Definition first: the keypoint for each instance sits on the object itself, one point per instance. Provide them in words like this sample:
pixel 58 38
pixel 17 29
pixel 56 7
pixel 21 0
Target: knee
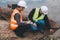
pixel 41 22
pixel 33 28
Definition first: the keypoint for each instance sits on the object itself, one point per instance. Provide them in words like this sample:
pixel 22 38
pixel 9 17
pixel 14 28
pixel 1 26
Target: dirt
pixel 7 34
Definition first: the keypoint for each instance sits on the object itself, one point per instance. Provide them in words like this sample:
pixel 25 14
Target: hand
pixel 51 30
pixel 34 24
pixel 28 22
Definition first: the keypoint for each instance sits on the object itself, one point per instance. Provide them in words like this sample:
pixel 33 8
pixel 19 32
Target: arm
pixel 17 18
pixel 31 15
pixel 47 22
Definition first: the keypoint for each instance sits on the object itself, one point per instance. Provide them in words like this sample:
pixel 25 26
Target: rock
pixel 5 12
pixel 6 33
pixel 54 24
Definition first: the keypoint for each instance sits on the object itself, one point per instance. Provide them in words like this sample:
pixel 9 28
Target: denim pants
pixel 40 25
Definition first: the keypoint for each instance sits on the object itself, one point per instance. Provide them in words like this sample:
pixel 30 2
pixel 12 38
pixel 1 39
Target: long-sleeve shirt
pixel 22 27
pixel 30 16
pixel 17 18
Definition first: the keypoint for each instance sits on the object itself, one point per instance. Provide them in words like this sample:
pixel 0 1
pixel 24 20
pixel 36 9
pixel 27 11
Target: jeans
pixel 40 25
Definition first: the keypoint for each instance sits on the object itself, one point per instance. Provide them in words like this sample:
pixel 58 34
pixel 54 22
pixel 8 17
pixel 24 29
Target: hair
pixel 14 6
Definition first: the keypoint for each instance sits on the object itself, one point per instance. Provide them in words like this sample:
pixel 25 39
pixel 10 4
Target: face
pixel 21 8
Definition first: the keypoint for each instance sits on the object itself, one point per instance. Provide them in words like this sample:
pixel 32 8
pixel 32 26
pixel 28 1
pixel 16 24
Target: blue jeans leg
pixel 33 27
pixel 40 24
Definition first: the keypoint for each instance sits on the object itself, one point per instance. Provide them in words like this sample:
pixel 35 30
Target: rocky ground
pixel 7 34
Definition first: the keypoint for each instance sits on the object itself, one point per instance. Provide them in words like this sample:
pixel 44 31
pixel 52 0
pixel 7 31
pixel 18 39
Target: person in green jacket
pixel 39 18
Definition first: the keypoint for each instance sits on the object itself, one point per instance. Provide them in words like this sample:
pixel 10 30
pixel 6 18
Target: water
pixel 53 5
